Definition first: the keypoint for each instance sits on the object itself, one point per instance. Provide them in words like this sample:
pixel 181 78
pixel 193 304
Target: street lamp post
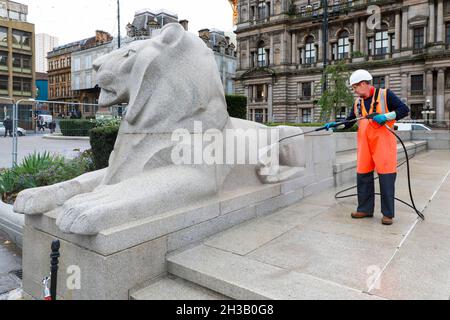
pixel 118 23
pixel 428 110
pixel 15 126
pixel 325 42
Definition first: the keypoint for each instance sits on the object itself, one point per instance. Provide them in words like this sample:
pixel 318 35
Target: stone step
pixel 243 278
pixel 173 288
pixel 344 169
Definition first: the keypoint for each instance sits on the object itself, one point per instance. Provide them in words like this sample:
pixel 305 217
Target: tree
pixel 338 93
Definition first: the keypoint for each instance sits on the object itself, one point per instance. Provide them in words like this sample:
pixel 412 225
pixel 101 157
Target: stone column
pixel 254 92
pixel 294 48
pixel 431 23
pixel 283 48
pixel 405 86
pixel 249 56
pixel 238 50
pixel 272 9
pixel 302 56
pixel 247 94
pixel 398 28
pixel 271 50
pixel 440 102
pixel 270 103
pixel 357 37
pixel 363 39
pixel 429 87
pixel 320 45
pixel 440 22
pixel 405 28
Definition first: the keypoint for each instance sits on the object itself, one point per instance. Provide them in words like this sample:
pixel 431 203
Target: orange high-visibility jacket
pixel 377 147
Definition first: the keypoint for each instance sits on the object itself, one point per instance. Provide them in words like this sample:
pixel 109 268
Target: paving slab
pixel 172 288
pixel 246 279
pixel 249 236
pixel 421 269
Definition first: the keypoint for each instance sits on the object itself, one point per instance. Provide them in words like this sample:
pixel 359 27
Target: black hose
pixel 412 205
pixel 338 195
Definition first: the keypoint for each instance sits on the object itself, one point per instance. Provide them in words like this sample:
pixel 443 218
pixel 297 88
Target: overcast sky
pixel 75 20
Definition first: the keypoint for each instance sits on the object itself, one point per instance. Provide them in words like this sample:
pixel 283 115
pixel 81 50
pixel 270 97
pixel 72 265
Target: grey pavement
pixel 31 143
pixel 10 260
pixel 316 251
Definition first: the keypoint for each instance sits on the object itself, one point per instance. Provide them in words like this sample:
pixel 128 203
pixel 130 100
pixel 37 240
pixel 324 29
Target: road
pixel 36 143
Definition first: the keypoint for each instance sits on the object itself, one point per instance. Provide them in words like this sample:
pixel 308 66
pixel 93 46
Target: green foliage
pixel 108 122
pixel 237 106
pixel 38 170
pixel 102 141
pixel 358 54
pixel 338 93
pixel 76 127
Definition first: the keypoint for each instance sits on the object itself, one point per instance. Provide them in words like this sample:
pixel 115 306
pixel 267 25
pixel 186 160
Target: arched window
pixel 382 41
pixel 310 50
pixel 343 45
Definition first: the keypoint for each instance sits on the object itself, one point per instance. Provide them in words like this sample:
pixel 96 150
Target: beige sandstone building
pixel 280 49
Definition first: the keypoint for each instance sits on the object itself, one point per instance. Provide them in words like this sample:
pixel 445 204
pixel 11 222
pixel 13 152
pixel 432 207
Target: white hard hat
pixel 360 75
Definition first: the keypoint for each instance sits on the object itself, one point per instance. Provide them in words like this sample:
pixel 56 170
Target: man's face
pixel 362 89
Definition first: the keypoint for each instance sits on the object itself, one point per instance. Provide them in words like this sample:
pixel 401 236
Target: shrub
pixel 102 141
pixel 237 106
pixel 76 128
pixel 38 170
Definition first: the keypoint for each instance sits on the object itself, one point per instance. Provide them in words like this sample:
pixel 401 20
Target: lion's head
pixel 168 82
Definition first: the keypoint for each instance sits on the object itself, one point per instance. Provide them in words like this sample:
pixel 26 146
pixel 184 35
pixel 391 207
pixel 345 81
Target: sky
pixel 70 20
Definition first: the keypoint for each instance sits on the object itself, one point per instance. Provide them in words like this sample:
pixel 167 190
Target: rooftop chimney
pixel 185 24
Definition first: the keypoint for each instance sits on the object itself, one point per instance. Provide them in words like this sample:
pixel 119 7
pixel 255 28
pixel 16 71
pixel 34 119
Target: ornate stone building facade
pixel 224 53
pixel 280 46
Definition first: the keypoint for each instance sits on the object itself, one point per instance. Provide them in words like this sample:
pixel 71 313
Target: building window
pixel 261 57
pixel 306 115
pixel 260 93
pixel 21 39
pixel 260 115
pixel 343 45
pixel 4 37
pixel 306 92
pixel 22 87
pixel 3 61
pixel 4 85
pixel 448 31
pixel 76 64
pixel 416 111
pixel 21 63
pixel 417 85
pixel 261 10
pixel 379 82
pixel 310 51
pixel 381 42
pixel 393 42
pixel 419 39
pixel 370 46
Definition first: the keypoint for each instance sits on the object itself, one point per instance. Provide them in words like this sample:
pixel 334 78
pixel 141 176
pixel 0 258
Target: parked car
pixel 20 132
pixel 412 127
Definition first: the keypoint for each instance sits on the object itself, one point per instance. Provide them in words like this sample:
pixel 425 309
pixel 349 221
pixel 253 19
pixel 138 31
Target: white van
pixel 411 127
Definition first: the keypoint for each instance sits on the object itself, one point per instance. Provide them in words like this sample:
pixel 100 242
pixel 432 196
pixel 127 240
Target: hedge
pixel 76 127
pixel 237 106
pixel 102 143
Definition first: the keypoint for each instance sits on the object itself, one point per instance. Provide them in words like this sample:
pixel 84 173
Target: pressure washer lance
pixel 370 117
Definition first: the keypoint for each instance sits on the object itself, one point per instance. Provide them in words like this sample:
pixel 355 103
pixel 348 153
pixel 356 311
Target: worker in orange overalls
pixel 377 147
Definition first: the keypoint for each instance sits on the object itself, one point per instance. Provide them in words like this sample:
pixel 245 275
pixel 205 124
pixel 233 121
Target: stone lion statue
pixel 169 82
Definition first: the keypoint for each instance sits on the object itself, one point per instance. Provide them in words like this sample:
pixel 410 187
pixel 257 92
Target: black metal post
pixel 54 268
pixel 118 23
pixel 325 43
